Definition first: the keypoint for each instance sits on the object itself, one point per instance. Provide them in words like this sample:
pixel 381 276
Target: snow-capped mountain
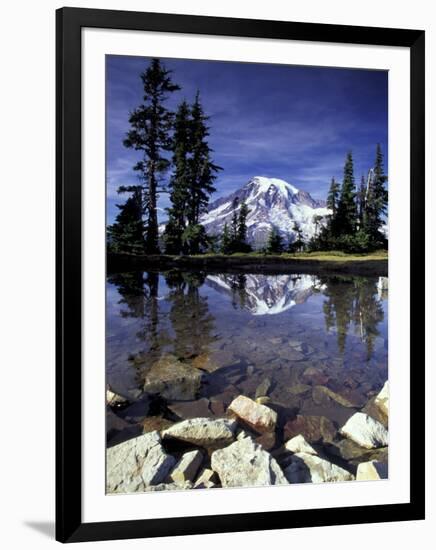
pixel 264 294
pixel 272 203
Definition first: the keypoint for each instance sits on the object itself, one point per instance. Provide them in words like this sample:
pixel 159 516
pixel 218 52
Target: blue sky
pixel 289 122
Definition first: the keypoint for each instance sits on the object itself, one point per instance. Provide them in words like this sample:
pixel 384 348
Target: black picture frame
pixel 69 23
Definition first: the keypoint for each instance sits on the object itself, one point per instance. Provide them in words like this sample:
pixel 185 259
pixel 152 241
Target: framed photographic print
pixel 240 257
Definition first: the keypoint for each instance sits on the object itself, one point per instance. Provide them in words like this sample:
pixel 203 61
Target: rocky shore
pixel 250 442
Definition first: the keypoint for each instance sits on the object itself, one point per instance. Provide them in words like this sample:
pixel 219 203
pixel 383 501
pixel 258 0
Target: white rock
pixel 187 467
pixel 246 464
pixel 299 445
pixel 382 399
pixel 113 398
pixel 170 487
pixel 206 479
pixel 258 417
pixel 365 431
pixel 135 464
pixel 371 470
pixel 306 468
pixel 205 432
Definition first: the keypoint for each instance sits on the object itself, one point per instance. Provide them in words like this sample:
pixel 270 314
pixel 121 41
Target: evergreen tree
pixel 345 220
pixel 126 234
pixel 333 196
pixel 179 182
pixel 242 224
pixel 377 201
pixel 361 203
pixel 275 242
pixel 298 241
pixel 151 123
pixel 226 240
pixel 202 170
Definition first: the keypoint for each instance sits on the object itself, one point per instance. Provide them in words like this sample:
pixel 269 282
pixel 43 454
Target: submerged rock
pixel 365 431
pixel 313 428
pixel 191 409
pixel 204 432
pixel 263 388
pixel 173 379
pixel 299 389
pixel 372 470
pixel 258 417
pixel 306 468
pixel 136 464
pixel 187 467
pixel 322 394
pixel 245 464
pixel 299 445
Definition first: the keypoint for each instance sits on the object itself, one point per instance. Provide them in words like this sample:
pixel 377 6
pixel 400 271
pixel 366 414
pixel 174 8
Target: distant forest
pixel 175 158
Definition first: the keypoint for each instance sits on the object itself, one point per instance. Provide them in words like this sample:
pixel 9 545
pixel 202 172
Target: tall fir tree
pixel 378 200
pixel 346 216
pixel 179 182
pixel 241 233
pixel 226 240
pixel 202 170
pixel 151 123
pixel 333 196
pixel 275 242
pixel 126 234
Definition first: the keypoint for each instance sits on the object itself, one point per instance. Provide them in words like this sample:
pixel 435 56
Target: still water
pixel 251 334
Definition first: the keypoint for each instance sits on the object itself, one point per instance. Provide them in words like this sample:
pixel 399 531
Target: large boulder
pixel 258 417
pixel 246 464
pixel 314 429
pixel 173 379
pixel 382 399
pixel 365 431
pixel 134 465
pixel 204 432
pixel 372 470
pixel 309 468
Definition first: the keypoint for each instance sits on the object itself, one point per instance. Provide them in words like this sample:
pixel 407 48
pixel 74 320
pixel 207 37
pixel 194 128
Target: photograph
pixel 247 231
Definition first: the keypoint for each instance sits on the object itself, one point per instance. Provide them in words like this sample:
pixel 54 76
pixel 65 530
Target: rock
pixel 299 445
pixel 354 453
pixel 306 468
pixel 205 362
pixel 173 379
pixel 263 388
pixel 206 479
pixel 263 400
pixel 382 400
pixel 267 440
pixel 299 389
pixel 191 409
pixel 315 376
pixel 114 423
pixel 217 407
pixel 137 411
pixel 258 417
pixel 313 428
pixel 321 393
pixel 372 410
pixel 135 464
pixel 365 431
pixel 170 486
pixel 371 470
pixel 250 370
pixel 204 432
pixel 245 464
pixel 290 354
pixel 113 399
pixel 155 423
pixel 187 467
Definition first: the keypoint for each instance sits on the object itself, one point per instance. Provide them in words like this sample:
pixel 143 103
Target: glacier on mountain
pixel 272 203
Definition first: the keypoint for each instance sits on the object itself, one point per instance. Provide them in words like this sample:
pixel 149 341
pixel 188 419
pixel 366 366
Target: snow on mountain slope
pixel 272 203
pixel 264 294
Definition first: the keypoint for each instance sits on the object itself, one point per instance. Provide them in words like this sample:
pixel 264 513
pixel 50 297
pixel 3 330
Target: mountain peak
pixel 265 184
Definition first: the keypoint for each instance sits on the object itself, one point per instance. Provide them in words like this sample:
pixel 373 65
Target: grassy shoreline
pixel 374 264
